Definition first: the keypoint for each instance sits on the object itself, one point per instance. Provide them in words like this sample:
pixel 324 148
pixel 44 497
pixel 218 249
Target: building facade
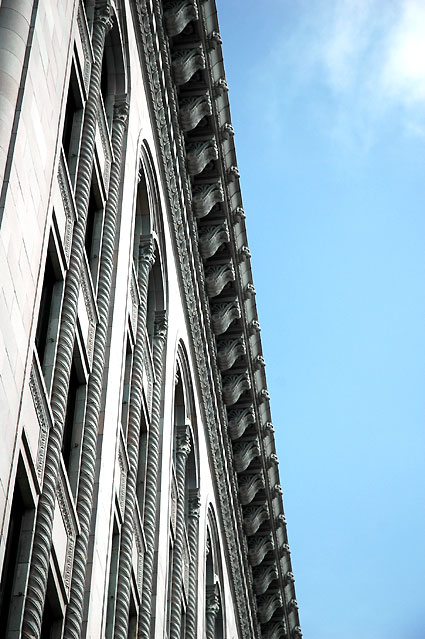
pixel 139 485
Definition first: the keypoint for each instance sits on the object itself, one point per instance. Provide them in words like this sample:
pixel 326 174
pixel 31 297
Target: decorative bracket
pixel 186 62
pixel 239 420
pixel 228 352
pixel 204 196
pixel 234 386
pixel 178 14
pixel 222 315
pixel 211 238
pixel 193 109
pixel 217 276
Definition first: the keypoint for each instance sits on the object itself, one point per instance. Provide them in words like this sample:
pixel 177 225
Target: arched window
pixel 214 604
pixel 183 544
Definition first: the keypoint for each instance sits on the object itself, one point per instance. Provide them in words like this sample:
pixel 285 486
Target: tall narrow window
pixel 72 125
pixel 49 311
pixel 74 420
pixel 94 224
pixel 125 397
pixel 113 580
pixel 52 620
pixel 11 555
pixel 17 554
pixel 132 621
pixel 45 308
pixel 141 471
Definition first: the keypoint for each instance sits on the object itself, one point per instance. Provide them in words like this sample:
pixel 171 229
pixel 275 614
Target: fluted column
pixel 212 608
pixel 74 612
pixel 193 536
pixel 152 471
pixel 146 261
pixel 182 452
pixel 39 567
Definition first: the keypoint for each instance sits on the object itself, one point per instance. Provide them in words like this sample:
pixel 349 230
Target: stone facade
pixel 139 485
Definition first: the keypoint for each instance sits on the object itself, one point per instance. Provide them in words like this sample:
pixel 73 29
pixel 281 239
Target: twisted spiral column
pixel 211 610
pixel 193 535
pixel 152 471
pixel 74 612
pixel 177 572
pixel 39 566
pixel 146 261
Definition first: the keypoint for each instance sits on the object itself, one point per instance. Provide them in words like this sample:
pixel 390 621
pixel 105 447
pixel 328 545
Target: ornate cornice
pixel 183 242
pixel 217 197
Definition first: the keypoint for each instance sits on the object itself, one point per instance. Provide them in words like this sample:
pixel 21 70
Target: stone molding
pixel 182 242
pixel 44 416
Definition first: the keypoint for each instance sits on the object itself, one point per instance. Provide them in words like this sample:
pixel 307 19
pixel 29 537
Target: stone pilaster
pixel 212 607
pixel 146 261
pixel 150 512
pixel 182 452
pixel 39 566
pixel 193 536
pixel 74 612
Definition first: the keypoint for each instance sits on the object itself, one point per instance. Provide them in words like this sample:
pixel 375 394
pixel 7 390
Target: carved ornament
pixel 217 276
pixel 258 547
pixel 254 516
pixel 234 386
pixel 239 420
pixel 211 238
pixel 186 62
pixel 228 352
pixel 227 131
pixel 267 604
pixel 193 109
pixel 204 196
pixel 199 154
pixel 178 14
pixel 244 453
pixel 263 577
pixel 274 630
pixel 249 486
pixel 222 315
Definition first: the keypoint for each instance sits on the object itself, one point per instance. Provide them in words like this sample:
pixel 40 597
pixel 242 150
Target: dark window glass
pixel 11 556
pixel 45 308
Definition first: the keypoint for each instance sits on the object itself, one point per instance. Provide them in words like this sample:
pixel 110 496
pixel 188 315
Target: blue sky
pixel 328 105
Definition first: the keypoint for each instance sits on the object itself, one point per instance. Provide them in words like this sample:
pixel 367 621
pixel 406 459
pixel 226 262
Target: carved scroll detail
pixel 254 516
pixel 204 196
pixel 193 109
pixel 199 154
pixel 178 15
pixel 274 630
pixel 239 420
pixel 267 605
pixel 263 577
pixel 216 278
pixel 258 547
pixel 228 352
pixel 211 238
pixel 244 453
pixel 249 486
pixel 234 386
pixel 186 62
pixel 222 315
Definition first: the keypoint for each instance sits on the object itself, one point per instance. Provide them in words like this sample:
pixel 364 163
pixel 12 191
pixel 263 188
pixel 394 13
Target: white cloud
pixel 403 74
pixel 369 55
